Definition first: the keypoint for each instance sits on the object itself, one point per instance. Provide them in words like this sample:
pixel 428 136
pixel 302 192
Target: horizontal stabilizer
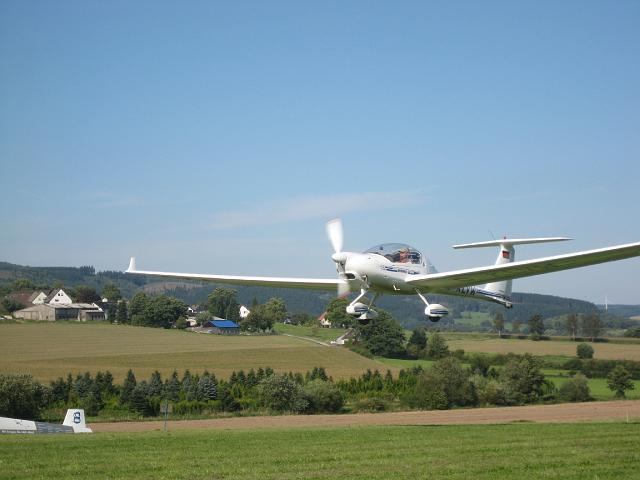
pixel 506 242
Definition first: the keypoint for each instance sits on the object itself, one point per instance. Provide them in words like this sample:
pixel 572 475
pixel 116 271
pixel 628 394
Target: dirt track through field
pixel 565 412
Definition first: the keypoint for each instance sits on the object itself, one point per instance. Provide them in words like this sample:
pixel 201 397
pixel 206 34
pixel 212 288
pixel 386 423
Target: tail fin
pixel 501 291
pixel 75 419
pixel 506 255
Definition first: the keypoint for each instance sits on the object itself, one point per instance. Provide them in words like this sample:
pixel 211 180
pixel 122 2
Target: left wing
pixel 526 268
pixel 282 282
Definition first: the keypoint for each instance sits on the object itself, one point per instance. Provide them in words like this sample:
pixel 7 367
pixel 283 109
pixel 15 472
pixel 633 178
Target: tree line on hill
pixel 407 310
pixel 167 311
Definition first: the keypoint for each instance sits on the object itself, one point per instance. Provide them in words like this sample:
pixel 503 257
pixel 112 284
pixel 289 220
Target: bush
pixel 371 404
pixel 619 380
pixel 322 396
pixel 584 351
pixel 281 394
pixel 575 389
pixel 489 391
pixel 444 385
pixel 436 347
pixel 522 379
pixel 633 332
pixel 21 397
pixel 193 407
pixel 593 368
pixel 383 336
pixel 480 364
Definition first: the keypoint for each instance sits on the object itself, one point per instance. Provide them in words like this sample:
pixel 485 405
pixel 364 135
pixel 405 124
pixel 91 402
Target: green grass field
pixel 598 387
pixel 317 333
pixel 48 350
pixel 614 351
pixel 491 452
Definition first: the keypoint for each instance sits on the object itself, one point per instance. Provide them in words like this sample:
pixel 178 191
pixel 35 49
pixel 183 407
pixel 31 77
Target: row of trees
pixel 446 384
pixel 589 324
pixel 151 311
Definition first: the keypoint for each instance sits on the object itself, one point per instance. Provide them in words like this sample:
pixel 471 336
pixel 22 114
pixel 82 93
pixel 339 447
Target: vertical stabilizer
pixel 506 255
pixel 500 292
pixel 75 419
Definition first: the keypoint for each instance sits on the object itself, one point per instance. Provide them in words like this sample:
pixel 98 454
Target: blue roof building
pixel 222 327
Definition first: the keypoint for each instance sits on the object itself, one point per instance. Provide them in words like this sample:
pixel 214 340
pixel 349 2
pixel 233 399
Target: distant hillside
pixel 70 277
pixel 408 310
pixel 626 311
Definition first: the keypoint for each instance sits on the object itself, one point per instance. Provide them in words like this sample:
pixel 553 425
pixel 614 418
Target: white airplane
pixel 399 269
pixel 73 423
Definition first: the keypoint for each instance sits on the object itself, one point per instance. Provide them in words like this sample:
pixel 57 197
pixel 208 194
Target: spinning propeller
pixel 335 234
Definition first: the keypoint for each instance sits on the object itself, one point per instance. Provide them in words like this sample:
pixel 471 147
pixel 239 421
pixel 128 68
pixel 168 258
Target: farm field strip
pixel 48 351
pixel 483 452
pixel 564 412
pixel 612 351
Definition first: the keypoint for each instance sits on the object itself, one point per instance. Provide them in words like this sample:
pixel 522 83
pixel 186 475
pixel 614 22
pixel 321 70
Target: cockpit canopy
pixel 397 253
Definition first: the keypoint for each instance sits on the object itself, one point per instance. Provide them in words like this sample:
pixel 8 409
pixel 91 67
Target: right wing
pixel 276 282
pixel 525 268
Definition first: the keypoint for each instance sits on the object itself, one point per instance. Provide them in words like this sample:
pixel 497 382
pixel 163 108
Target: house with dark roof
pixel 221 327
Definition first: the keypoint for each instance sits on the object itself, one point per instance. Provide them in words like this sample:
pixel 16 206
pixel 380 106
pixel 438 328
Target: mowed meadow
pixel 49 350
pixel 482 452
pixel 625 350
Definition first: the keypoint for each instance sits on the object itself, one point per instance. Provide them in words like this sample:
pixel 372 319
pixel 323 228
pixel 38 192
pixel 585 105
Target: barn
pixel 222 327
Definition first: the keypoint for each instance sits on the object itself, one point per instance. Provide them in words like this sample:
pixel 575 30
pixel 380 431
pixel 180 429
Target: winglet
pixel 132 265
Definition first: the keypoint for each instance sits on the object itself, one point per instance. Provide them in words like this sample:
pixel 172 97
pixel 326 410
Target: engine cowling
pixel 435 312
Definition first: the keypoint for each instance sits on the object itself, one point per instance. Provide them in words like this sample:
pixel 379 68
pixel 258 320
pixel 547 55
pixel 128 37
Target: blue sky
pixel 220 136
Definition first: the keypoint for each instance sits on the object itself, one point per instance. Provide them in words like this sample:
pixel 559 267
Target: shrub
pixel 584 351
pixel 322 396
pixel 619 380
pixel 443 385
pixel 575 389
pixel 480 364
pixel 489 391
pixel 436 347
pixel 522 379
pixel 191 407
pixel 281 394
pixel 371 404
pixel 21 396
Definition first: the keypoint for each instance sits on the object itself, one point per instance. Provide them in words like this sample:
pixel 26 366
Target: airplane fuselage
pixel 375 272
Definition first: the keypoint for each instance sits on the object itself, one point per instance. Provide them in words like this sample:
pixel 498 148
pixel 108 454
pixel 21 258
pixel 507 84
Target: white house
pixel 244 311
pixel 38 298
pixel 58 297
pixel 324 322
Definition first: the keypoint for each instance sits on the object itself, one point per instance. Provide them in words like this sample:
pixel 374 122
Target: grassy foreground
pixel 566 451
pixel 49 350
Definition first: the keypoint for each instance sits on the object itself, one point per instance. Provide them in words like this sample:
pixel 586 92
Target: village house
pixel 58 305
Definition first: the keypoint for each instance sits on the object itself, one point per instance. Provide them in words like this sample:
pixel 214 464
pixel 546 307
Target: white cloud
pixel 312 207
